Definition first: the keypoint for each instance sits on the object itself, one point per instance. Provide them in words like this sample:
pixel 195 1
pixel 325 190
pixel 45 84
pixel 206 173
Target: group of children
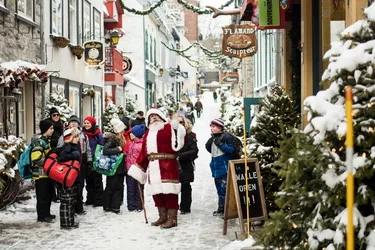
pixel 70 148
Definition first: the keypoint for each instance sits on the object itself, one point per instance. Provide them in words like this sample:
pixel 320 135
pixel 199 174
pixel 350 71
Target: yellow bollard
pixel 349 163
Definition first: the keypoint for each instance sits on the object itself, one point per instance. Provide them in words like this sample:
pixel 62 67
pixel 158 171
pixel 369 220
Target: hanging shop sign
pixel 239 40
pixel 229 78
pixel 93 53
pixel 185 74
pixel 269 13
pixel 126 65
pixel 265 14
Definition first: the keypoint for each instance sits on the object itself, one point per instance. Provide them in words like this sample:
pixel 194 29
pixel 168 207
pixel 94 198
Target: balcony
pixel 113 67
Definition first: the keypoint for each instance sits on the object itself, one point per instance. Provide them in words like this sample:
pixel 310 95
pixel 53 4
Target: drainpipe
pixel 278 57
pixel 43 54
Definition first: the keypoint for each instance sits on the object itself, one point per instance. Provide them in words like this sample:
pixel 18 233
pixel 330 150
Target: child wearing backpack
pixel 69 151
pixel 221 147
pixel 44 186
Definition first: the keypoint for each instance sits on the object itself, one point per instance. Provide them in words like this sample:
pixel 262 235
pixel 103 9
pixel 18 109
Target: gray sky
pixel 207 24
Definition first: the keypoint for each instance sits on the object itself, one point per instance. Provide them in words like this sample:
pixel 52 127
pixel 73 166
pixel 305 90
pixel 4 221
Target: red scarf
pixel 90 134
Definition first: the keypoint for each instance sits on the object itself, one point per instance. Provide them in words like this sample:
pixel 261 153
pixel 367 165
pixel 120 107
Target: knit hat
pixel 70 133
pixel 91 120
pixel 154 111
pixel 53 110
pixel 118 125
pixel 44 125
pixel 218 122
pixel 138 131
pixel 127 121
pixel 74 118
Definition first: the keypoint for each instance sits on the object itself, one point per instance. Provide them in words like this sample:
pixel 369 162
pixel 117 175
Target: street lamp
pixel 115 37
pixel 161 71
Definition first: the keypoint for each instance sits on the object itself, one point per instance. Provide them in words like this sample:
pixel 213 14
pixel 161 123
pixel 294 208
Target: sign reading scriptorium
pixel 239 40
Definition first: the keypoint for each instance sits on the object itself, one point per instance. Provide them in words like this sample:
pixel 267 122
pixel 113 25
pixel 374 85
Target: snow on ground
pixel 98 230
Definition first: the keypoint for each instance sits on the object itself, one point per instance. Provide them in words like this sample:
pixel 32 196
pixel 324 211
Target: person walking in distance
pixel 186 157
pixel 161 142
pixel 198 107
pixel 94 181
pixel 222 149
pixel 215 96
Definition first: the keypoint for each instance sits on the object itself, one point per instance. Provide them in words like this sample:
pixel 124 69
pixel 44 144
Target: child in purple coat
pixel 132 152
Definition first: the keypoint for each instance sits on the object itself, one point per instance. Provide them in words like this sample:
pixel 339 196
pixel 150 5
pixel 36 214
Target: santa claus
pixel 161 142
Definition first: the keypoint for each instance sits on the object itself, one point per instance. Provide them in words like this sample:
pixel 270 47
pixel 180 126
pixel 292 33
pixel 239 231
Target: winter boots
pixel 162 217
pixel 172 219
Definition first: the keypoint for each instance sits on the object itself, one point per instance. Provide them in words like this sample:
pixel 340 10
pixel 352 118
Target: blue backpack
pixel 25 164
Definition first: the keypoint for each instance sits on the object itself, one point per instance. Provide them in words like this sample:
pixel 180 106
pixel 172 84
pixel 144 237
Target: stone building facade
pixel 21 49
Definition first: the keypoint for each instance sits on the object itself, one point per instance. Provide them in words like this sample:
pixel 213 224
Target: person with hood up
pixel 161 142
pixel 94 181
pixel 114 145
pixel 132 192
pixel 128 128
pixel 190 115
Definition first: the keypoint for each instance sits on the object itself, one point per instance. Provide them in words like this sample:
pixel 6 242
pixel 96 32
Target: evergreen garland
pixel 181 2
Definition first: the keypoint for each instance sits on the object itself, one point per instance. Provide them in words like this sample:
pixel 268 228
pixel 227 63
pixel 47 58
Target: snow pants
pixel 170 201
pixel 221 187
pixel 185 197
pixel 114 192
pixel 132 194
pixel 67 205
pixel 44 188
pixel 94 187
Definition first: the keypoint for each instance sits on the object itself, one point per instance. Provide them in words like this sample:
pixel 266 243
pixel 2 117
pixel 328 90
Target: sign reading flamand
pixel 239 40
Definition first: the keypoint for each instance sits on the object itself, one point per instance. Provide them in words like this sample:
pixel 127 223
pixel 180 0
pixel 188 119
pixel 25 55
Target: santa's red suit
pixel 162 178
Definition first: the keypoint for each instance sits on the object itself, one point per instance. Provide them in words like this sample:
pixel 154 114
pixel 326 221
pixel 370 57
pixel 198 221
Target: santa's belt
pixel 161 156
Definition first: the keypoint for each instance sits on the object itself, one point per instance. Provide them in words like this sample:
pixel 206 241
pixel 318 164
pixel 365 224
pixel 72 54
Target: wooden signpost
pixel 235 200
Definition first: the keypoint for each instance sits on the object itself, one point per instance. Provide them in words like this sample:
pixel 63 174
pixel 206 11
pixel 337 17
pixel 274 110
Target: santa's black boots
pixel 162 217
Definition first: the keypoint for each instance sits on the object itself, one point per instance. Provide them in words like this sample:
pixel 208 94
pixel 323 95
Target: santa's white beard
pixel 155 126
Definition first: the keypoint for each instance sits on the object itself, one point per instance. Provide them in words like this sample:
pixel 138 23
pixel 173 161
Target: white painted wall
pixel 132 45
pixel 62 59
pixel 190 82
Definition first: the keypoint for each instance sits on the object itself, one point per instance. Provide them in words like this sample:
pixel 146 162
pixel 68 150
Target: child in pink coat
pixel 132 152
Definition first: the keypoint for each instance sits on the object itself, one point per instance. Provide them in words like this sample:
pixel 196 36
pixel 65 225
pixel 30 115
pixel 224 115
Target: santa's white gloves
pixel 137 173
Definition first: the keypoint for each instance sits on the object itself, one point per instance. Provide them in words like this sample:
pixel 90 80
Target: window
pixel 97 108
pixel 26 8
pixel 155 51
pixel 150 49
pixel 86 20
pixel 58 88
pixel 21 115
pixel 57 17
pixel 74 100
pixel 146 46
pixel 73 21
pixel 97 23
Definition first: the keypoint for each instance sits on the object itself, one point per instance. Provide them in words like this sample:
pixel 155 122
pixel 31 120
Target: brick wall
pixel 191 23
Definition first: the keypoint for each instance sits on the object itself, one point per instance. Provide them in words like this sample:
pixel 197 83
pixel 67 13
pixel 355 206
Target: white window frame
pixel 86 22
pixel 2 3
pixel 97 19
pixel 25 8
pixel 21 115
pixel 73 21
pixel 57 18
pixel 74 100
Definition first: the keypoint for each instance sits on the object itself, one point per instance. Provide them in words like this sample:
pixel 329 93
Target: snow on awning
pixel 15 72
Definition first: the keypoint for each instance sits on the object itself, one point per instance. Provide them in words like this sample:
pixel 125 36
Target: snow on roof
pixel 14 65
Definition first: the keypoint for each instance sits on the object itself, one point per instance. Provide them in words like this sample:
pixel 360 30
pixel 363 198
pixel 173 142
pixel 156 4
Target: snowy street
pixel 98 230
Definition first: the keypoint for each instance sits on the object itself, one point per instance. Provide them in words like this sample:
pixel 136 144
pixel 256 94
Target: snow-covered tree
pixel 167 104
pixel 233 114
pixel 57 100
pixel 131 108
pixel 276 116
pixel 318 202
pixel 110 112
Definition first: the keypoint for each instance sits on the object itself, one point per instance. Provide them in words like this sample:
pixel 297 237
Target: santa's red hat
pixel 156 111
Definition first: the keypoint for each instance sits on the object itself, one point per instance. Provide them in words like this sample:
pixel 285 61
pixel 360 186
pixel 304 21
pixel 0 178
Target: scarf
pixel 91 133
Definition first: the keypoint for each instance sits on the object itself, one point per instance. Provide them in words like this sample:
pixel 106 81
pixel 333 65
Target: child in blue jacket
pixel 221 147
